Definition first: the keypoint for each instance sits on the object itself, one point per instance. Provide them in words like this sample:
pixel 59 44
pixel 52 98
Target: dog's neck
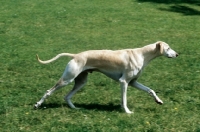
pixel 150 52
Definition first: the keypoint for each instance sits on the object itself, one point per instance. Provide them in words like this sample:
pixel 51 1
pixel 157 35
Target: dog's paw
pixel 36 106
pixel 159 102
pixel 77 108
pixel 128 111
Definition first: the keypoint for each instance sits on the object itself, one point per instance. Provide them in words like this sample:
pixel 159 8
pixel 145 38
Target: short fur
pixel 124 66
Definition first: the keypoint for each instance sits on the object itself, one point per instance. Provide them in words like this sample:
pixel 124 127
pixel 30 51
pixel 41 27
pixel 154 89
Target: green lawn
pixel 29 27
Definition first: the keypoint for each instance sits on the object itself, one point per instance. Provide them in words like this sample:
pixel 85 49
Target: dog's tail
pixel 54 58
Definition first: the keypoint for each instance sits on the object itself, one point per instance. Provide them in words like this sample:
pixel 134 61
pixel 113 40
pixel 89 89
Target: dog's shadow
pixel 100 107
pixel 93 106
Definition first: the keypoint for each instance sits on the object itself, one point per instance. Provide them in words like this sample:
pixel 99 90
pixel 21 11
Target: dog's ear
pixel 159 46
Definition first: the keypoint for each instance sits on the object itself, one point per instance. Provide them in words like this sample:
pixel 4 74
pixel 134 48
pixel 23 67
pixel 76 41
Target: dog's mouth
pixel 173 56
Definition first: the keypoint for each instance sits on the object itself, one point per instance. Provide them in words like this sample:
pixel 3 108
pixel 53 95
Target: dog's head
pixel 165 50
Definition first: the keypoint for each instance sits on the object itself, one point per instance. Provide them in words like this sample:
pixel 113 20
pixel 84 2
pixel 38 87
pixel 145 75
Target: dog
pixel 124 66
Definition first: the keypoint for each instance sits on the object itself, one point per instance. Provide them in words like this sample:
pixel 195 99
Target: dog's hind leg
pixel 58 85
pixel 80 81
pixel 72 70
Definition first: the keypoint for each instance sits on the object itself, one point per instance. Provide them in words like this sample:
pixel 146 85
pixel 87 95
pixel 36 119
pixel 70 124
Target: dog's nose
pixel 177 54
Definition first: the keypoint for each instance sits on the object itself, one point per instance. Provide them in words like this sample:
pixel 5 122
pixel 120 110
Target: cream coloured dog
pixel 124 66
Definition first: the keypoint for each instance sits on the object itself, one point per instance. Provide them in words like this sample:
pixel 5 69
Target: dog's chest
pixel 134 73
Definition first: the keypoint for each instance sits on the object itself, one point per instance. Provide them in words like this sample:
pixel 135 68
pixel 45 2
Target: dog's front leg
pixel 150 91
pixel 124 86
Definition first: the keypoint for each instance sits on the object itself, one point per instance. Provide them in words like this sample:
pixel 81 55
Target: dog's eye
pixel 168 49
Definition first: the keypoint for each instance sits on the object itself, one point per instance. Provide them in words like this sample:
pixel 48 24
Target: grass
pixel 47 28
